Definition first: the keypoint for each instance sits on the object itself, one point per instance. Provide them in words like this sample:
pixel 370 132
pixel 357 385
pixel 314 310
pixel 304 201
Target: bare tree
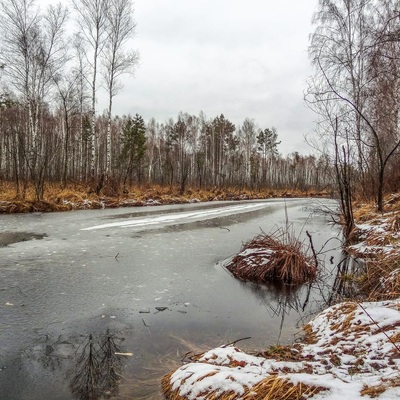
pixel 117 60
pixel 92 21
pixel 248 140
pixel 350 55
pixel 68 96
pixel 33 51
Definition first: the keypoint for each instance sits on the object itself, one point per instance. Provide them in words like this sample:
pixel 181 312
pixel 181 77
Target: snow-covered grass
pixel 277 257
pixel 351 351
pixel 378 245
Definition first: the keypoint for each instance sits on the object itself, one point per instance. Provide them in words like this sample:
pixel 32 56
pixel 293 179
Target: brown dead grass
pixel 282 353
pixel 271 388
pixel 286 262
pixel 373 391
pixel 381 276
pixel 83 196
pixel 274 388
pixel 381 279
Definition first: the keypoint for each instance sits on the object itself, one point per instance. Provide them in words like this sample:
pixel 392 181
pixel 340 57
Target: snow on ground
pixel 380 236
pixel 351 350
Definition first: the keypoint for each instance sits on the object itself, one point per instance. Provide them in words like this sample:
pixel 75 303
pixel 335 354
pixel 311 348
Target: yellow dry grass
pixel 286 262
pixel 270 388
pixel 281 353
pixel 364 212
pixel 80 195
pixel 373 391
pixel 381 278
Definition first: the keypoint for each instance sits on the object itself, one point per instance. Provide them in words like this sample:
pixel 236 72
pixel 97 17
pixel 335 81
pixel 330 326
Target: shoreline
pixel 80 198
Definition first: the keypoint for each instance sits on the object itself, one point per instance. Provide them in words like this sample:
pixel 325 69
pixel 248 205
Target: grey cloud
pixel 243 59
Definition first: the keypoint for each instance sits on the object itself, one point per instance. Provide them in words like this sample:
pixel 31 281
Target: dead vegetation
pixel 76 196
pixel 270 388
pixel 381 279
pixel 377 244
pixel 276 257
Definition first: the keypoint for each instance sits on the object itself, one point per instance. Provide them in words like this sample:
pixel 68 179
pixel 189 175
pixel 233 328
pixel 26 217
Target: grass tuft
pixel 278 257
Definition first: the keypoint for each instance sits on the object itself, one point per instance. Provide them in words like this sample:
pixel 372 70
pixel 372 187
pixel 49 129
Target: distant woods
pixel 52 64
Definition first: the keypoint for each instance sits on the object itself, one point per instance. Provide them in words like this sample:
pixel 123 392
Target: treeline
pixel 187 151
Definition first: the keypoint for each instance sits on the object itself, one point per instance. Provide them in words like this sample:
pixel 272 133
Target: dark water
pixel 149 284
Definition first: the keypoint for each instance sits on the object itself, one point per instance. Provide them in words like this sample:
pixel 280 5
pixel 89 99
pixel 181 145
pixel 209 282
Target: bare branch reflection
pixel 305 301
pixel 98 368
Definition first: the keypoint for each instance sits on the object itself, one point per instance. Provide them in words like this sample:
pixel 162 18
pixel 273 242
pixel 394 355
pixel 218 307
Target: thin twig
pixel 313 249
pixel 380 328
pixel 234 342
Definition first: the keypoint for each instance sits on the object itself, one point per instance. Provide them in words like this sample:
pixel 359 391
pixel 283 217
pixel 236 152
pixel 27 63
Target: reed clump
pixel 279 257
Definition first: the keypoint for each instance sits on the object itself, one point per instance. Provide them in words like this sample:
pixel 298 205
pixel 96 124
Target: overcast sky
pixel 239 58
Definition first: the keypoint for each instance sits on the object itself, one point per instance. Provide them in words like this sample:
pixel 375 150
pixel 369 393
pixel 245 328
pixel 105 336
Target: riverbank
pixel 81 197
pixel 350 350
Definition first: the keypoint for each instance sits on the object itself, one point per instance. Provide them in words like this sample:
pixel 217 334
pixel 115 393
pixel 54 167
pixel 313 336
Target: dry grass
pixel 373 391
pixel 364 212
pixel 83 196
pixel 381 276
pixel 381 280
pixel 274 388
pixel 278 257
pixel 271 388
pixel 367 211
pixel 282 353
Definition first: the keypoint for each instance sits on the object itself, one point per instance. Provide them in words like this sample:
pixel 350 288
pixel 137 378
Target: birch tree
pixel 32 52
pixel 355 53
pixel 92 21
pixel 248 139
pixel 267 141
pixel 116 59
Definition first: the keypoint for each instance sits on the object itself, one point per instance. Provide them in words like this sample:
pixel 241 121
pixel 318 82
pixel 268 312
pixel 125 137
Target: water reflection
pixel 92 364
pixel 302 302
pixel 282 300
pixel 344 285
pixel 98 368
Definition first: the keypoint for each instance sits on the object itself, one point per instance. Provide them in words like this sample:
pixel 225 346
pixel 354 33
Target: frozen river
pixel 147 281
